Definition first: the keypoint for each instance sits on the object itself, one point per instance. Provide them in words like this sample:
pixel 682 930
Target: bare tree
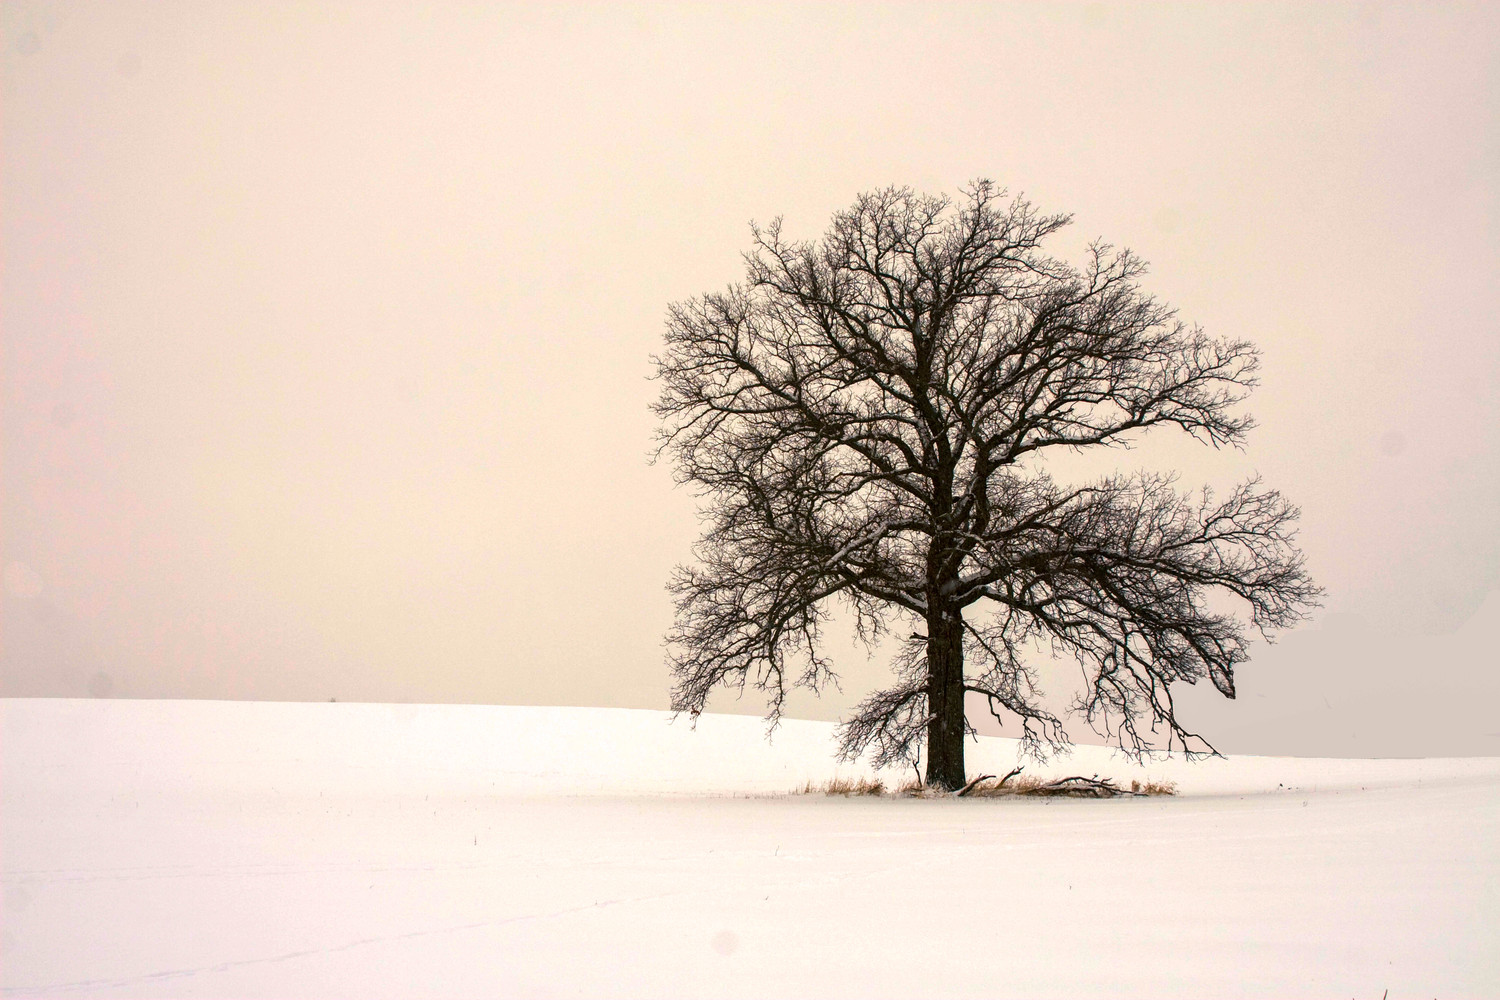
pixel 864 417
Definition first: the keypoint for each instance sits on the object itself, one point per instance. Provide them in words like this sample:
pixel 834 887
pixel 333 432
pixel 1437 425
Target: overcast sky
pixel 327 328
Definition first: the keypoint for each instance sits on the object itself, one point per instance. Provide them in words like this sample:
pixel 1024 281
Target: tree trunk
pixel 945 697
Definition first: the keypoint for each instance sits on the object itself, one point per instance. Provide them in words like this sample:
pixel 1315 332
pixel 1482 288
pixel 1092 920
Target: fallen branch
pixel 970 786
pixel 1013 772
pixel 1089 788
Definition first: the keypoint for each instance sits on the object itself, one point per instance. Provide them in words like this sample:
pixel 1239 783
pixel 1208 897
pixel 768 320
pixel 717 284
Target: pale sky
pixel 327 327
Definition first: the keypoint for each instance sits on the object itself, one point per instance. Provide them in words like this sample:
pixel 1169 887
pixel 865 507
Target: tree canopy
pixel 865 418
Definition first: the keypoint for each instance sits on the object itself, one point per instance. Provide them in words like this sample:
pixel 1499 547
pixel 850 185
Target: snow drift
pixel 262 849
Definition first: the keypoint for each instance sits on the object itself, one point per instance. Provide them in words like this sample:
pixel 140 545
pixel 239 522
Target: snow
pixel 217 849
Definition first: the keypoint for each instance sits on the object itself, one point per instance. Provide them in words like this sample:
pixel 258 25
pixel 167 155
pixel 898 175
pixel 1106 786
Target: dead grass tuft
pixel 846 787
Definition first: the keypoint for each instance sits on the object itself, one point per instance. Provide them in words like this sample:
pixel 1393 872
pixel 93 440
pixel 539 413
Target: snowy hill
pixel 257 849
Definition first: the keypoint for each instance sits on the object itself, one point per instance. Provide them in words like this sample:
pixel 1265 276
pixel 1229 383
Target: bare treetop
pixel 854 415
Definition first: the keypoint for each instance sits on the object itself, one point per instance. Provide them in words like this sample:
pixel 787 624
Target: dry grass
pixel 846 787
pixel 1015 785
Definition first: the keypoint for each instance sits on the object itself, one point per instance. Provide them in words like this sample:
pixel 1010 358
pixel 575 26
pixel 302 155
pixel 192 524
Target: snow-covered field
pixel 216 849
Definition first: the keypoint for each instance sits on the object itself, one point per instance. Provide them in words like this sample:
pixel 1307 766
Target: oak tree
pixel 866 418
